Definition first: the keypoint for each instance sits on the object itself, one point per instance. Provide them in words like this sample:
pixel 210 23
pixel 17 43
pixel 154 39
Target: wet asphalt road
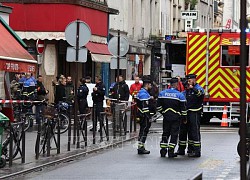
pixel 219 161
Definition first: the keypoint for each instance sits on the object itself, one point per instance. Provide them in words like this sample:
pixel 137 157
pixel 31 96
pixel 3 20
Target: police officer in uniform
pixel 172 105
pixel 194 95
pixel 144 107
pixel 82 93
pixel 98 97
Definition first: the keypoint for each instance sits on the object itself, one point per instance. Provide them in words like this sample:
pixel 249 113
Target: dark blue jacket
pixel 144 103
pixel 194 98
pixel 172 104
pixel 82 92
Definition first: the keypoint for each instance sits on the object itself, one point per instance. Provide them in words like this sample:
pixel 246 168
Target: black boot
pixel 143 151
pixel 180 152
pixel 163 152
pixel 195 154
pixel 171 153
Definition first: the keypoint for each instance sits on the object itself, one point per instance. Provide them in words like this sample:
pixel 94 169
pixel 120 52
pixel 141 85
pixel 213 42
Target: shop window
pixel 231 56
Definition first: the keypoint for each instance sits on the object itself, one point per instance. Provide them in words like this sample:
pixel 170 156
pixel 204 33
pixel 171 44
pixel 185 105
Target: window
pixel 231 55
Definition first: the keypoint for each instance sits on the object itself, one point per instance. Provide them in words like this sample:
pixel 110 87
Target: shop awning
pixel 99 52
pixel 13 56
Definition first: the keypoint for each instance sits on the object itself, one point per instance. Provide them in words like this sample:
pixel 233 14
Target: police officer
pixel 172 105
pixel 184 133
pixel 194 96
pixel 82 93
pixel 98 97
pixel 144 107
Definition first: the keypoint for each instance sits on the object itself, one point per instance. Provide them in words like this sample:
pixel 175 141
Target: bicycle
pixel 52 114
pixel 16 131
pixel 62 114
pixel 22 114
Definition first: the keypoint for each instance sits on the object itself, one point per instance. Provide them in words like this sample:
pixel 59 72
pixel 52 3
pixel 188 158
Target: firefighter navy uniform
pixel 172 105
pixel 144 107
pixel 194 98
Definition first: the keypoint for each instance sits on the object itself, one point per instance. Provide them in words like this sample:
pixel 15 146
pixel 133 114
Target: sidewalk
pixel 31 164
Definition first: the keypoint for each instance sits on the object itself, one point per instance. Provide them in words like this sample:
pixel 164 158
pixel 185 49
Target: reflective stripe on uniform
pixel 182 143
pixel 195 109
pixel 171 145
pixel 164 145
pixel 171 109
pixel 197 143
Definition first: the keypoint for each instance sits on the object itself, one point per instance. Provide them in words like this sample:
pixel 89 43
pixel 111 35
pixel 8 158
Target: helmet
pixel 63 106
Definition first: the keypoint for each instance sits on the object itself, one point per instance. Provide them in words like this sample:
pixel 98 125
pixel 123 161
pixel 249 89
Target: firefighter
pixel 194 95
pixel 144 106
pixel 172 105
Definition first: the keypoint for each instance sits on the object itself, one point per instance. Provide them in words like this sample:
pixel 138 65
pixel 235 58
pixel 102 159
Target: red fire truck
pixel 218 72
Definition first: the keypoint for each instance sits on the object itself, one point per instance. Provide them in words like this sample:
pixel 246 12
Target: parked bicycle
pixel 16 131
pixel 53 117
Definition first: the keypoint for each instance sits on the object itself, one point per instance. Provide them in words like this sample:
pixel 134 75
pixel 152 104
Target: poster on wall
pixel 50 59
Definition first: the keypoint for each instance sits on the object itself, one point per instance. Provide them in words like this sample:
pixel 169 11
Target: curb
pixel 62 160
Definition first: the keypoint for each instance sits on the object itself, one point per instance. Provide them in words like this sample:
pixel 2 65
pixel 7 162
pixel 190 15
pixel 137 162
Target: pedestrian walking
pixel 82 93
pixel 144 107
pixel 98 97
pixel 172 105
pixel 194 95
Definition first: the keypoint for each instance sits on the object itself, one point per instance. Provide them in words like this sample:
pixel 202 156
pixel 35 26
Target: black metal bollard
pixel 23 143
pixel 107 127
pixel 131 118
pixel 114 120
pixel 38 139
pixel 101 125
pixel 48 140
pixel 120 122
pixel 134 116
pixel 58 135
pixel 86 131
pixel 69 129
pixel 75 124
pixel 11 146
pixel 94 122
pixel 78 132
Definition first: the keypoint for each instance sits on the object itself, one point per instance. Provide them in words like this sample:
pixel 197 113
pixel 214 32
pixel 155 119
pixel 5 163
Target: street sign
pixel 71 33
pixel 122 63
pixel 189 15
pixel 71 55
pixel 40 46
pixel 113 48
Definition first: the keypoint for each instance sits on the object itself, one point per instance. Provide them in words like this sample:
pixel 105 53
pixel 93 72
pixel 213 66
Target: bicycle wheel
pixel 6 146
pixel 27 121
pixel 247 149
pixel 2 162
pixel 64 123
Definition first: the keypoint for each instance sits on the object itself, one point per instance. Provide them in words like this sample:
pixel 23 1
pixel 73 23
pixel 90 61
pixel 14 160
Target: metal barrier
pixel 82 129
pixel 45 132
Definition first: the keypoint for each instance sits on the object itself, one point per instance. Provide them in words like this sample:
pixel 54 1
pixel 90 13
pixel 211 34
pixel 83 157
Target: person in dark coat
pixel 98 97
pixel 41 96
pixel 123 93
pixel 60 91
pixel 82 93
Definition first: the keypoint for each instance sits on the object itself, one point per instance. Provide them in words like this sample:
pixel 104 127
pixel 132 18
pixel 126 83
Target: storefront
pixel 14 58
pixel 47 20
